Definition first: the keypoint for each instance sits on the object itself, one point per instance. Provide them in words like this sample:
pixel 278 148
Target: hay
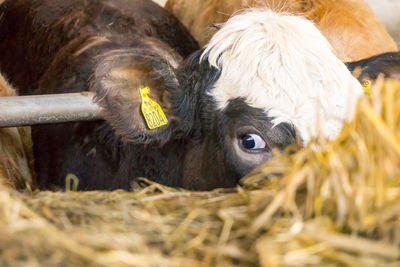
pixel 337 205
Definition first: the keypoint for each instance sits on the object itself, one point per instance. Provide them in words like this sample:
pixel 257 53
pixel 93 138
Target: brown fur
pixel 16 155
pixel 349 25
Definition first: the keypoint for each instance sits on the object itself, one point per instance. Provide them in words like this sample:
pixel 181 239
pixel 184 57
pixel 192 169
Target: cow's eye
pixel 252 142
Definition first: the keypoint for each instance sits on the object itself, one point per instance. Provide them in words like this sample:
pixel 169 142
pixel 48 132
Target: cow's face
pixel 232 143
pixel 264 81
pixel 277 76
pixel 225 144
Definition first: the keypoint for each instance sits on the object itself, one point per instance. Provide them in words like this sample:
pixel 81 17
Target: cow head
pixel 264 81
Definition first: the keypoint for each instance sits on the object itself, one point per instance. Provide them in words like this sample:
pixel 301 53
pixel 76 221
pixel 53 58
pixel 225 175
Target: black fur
pixel 387 64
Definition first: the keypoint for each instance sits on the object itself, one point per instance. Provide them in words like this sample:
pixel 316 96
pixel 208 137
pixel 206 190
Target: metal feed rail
pixel 43 109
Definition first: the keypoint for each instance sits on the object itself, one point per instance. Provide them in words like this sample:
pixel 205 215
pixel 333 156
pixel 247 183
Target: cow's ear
pixel 124 80
pixel 387 64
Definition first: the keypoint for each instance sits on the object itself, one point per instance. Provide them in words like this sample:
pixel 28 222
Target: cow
pixel 350 26
pixel 16 155
pixel 176 114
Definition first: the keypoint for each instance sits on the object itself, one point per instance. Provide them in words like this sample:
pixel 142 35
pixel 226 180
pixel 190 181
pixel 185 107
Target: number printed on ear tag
pixel 151 110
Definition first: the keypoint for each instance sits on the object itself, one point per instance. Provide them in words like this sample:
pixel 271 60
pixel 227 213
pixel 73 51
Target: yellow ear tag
pixel 366 85
pixel 151 110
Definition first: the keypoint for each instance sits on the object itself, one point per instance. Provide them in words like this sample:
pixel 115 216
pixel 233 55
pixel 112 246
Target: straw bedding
pixel 338 204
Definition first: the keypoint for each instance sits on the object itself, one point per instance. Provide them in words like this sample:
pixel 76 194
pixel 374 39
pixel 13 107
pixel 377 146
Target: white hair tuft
pixel 284 65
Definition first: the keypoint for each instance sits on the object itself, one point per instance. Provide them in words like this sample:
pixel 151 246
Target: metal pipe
pixel 43 109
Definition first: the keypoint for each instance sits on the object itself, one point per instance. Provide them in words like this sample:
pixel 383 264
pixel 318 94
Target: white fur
pixel 282 64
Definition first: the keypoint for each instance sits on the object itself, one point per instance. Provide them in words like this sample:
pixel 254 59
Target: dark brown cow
pixel 54 46
pixel 264 80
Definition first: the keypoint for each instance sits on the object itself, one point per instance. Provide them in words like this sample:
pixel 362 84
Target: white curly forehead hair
pixel 282 64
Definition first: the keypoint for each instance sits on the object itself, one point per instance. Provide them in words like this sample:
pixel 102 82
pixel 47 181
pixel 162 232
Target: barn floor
pixel 338 205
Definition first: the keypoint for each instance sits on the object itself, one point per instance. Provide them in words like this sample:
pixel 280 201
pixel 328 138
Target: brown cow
pixel 349 25
pixel 16 156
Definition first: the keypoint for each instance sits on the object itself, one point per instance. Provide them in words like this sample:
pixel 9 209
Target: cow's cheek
pixel 191 177
pixel 205 168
